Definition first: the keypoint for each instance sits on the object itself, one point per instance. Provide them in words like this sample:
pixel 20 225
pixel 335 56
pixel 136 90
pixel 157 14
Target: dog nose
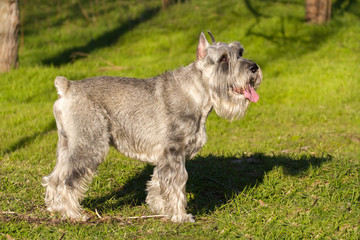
pixel 254 67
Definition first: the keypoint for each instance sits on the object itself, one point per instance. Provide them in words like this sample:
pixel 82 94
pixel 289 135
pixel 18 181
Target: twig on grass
pixel 84 13
pixel 8 237
pixel 126 219
pixel 316 199
pixel 8 216
pixel 300 149
pixel 149 216
pixel 11 216
pixel 7 212
pixel 62 236
pixel 97 214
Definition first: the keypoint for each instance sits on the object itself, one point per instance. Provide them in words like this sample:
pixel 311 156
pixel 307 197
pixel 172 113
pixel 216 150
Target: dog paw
pixel 182 218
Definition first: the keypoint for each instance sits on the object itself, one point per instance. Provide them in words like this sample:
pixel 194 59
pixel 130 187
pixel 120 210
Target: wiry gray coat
pixel 159 120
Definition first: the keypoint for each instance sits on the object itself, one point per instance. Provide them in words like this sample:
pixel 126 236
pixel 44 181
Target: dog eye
pixel 241 51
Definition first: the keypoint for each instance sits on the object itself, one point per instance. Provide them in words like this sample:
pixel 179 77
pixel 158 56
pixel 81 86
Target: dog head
pixel 232 79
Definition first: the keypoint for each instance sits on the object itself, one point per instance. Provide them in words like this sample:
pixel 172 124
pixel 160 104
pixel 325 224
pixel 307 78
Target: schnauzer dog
pixel 159 120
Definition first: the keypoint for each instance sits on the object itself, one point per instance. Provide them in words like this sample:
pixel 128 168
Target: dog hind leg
pixel 77 161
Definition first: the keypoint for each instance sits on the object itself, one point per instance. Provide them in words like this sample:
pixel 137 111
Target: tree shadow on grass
pixel 290 37
pixel 24 141
pixel 105 40
pixel 212 180
pixel 339 7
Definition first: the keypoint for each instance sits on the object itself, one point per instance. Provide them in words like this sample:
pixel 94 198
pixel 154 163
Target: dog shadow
pixel 213 180
pixel 132 193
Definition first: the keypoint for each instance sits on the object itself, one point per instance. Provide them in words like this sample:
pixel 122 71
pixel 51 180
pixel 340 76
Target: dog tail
pixel 62 84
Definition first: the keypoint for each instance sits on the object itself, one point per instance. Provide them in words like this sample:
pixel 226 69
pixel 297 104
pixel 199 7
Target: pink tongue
pixel 251 94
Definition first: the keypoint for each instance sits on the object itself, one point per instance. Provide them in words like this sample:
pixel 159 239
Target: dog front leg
pixel 166 190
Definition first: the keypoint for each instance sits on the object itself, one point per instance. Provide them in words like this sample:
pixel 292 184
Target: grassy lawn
pixel 289 170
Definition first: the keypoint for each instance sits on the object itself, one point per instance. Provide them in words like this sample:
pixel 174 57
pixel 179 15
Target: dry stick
pixel 84 12
pixel 305 148
pixel 29 218
pixel 96 211
pixel 8 212
pixel 33 219
pixel 316 199
pixel 62 236
pixel 149 216
pixel 130 218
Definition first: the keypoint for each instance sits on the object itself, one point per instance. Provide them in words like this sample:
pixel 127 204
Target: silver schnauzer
pixel 159 120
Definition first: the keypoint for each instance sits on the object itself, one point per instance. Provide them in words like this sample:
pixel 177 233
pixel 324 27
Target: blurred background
pixel 308 50
pixel 302 137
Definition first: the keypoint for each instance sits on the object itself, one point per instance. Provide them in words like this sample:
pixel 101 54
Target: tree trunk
pixel 9 28
pixel 166 3
pixel 318 11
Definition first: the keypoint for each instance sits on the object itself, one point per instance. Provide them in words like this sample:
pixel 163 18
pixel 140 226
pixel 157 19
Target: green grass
pixel 289 170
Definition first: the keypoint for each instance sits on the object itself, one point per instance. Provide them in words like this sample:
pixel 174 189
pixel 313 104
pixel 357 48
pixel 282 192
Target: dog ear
pixel 203 45
pixel 212 37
